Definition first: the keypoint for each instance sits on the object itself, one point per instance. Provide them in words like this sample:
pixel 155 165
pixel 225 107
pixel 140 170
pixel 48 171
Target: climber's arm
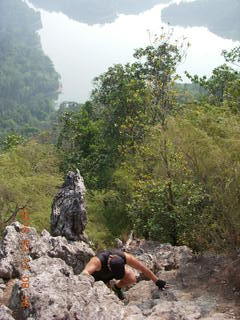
pixel 93 265
pixel 136 264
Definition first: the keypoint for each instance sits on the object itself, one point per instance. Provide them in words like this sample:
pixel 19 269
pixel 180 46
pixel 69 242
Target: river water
pixel 80 51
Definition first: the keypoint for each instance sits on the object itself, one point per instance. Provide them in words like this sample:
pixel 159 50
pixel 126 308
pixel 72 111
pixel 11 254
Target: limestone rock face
pixel 5 313
pixel 166 305
pixel 10 253
pixel 76 254
pixel 68 217
pixel 56 293
pixel 159 257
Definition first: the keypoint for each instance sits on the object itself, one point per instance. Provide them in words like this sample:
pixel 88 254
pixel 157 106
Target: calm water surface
pixel 81 52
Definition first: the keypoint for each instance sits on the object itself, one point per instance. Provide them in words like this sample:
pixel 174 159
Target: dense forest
pixel 28 82
pixel 94 11
pixel 219 16
pixel 155 159
pixel 158 158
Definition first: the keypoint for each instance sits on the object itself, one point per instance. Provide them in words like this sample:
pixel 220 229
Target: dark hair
pixel 117 266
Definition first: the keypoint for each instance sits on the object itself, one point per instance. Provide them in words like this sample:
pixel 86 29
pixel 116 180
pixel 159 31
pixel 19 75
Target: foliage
pixel 155 159
pixel 28 82
pixel 167 199
pixel 126 101
pixel 158 69
pixel 232 56
pixel 11 141
pixel 29 176
pixel 220 82
pixel 106 217
pixel 213 155
pixel 97 229
pixel 222 87
pixel 82 145
pixel 185 181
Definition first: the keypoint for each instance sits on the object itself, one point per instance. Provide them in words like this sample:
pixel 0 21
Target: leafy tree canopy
pixel 28 82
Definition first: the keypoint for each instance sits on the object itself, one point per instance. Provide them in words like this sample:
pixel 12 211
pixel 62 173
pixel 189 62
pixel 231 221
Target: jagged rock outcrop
pixel 165 256
pixel 159 257
pixel 76 254
pixel 58 292
pixel 68 217
pixel 5 313
pixel 10 253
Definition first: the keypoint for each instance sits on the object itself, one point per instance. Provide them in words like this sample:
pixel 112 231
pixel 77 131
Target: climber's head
pixel 117 266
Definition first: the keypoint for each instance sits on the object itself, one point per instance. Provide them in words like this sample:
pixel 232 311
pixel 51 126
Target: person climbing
pixel 111 264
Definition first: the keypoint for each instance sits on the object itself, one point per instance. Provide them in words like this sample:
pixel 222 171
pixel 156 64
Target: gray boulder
pixel 76 254
pixel 10 253
pixel 57 290
pixel 5 313
pixel 68 217
pixel 56 293
pixel 175 311
pixel 159 257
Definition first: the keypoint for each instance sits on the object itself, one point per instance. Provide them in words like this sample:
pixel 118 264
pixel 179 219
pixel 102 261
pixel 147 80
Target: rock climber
pixel 111 264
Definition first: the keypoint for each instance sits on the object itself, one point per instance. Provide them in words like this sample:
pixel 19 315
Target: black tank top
pixel 105 274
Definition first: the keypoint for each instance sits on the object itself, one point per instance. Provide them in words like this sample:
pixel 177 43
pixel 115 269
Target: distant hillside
pixel 96 11
pixel 28 82
pixel 219 16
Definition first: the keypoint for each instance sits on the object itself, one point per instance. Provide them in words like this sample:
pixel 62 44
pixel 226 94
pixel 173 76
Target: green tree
pixel 29 84
pixel 218 84
pixel 11 141
pixel 232 56
pixel 158 68
pixel 222 87
pixel 126 102
pixel 29 176
pixel 82 145
pixel 121 100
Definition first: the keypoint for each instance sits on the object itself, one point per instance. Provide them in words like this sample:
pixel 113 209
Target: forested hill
pixel 220 16
pixel 95 11
pixel 28 82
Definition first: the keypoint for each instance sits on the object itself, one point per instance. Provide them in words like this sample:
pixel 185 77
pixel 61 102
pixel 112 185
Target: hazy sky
pixel 81 52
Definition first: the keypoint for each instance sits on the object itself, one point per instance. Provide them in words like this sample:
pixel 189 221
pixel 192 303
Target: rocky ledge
pixel 58 291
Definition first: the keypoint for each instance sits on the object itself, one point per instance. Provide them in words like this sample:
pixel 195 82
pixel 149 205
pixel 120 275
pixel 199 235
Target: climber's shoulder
pixel 94 264
pixel 130 258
